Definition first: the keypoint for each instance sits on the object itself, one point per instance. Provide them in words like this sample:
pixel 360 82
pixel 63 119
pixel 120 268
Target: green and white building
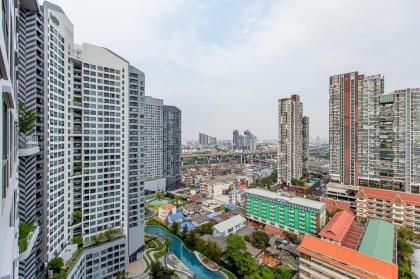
pixel 294 214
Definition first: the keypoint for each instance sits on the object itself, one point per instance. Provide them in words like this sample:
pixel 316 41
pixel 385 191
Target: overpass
pixel 221 157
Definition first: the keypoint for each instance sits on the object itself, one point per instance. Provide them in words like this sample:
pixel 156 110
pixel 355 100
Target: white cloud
pixel 268 50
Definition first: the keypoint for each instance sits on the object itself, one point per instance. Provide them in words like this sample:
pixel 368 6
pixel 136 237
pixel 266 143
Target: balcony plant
pixel 27 118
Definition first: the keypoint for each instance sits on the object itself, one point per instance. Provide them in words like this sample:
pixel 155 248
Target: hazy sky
pixel 225 63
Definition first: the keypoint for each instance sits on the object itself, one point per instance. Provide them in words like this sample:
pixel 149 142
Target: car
pixel 285 241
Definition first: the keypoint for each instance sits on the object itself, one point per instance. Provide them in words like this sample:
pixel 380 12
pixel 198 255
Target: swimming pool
pixel 184 255
pixel 159 202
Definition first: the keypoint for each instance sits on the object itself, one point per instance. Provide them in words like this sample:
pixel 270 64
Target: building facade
pixel 323 259
pixel 370 90
pixel 229 226
pixel 295 214
pixel 343 127
pixel 305 145
pixel 153 138
pixel 172 146
pixel 398 208
pixel 399 140
pixel 291 131
pixel 82 163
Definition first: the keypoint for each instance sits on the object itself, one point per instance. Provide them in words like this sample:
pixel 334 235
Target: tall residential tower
pixel 292 128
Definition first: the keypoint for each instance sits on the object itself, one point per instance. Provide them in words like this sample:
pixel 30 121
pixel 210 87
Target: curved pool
pixel 184 255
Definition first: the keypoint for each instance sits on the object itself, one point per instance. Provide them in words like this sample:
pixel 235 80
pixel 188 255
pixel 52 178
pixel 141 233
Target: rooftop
pixel 394 196
pixel 347 259
pixel 176 216
pixel 293 200
pixel 378 240
pixel 337 228
pixel 168 206
pixel 333 204
pixel 229 223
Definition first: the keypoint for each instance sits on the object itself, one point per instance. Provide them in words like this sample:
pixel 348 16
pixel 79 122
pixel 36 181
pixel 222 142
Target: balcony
pixel 28 234
pixel 28 146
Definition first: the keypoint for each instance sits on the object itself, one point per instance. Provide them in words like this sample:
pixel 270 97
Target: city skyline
pixel 231 56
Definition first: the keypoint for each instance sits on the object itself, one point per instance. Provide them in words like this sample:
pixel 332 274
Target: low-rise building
pixel 342 192
pixel 338 227
pixel 323 259
pixel 399 208
pixel 229 226
pixel 237 197
pixel 199 220
pixel 293 214
pixel 165 211
pixel 213 189
pixel 335 205
pixel 191 209
pixel 176 217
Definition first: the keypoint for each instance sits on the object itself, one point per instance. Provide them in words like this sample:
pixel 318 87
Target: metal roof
pixel 293 200
pixel 378 240
pixel 229 223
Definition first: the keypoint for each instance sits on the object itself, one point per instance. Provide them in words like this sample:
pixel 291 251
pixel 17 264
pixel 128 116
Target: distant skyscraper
pixel 172 146
pixel 305 145
pixel 203 139
pixel 236 142
pixel 290 133
pixel 247 141
pixel 206 140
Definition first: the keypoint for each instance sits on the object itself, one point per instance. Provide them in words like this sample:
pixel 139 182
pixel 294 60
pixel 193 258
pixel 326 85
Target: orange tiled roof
pixel 333 204
pixel 338 226
pixel 347 259
pixel 273 230
pixel 406 198
pixel 270 261
pixel 168 206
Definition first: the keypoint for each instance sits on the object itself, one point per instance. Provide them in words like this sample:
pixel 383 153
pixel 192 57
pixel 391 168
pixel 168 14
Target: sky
pixel 225 63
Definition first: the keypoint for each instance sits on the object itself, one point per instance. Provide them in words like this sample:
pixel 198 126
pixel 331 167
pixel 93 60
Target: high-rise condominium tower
pixel 9 194
pixel 153 123
pixel 344 124
pixel 373 138
pixel 290 132
pixel 84 191
pixel 399 140
pixel 172 146
pixel 370 90
pixel 305 145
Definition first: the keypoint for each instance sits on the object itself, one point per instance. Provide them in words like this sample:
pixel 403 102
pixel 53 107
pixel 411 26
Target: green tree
pixel 77 217
pixel 242 261
pixel 158 271
pixel 206 228
pixel 55 264
pixel 175 227
pixel 212 251
pixel 77 239
pixel 159 195
pixel 26 118
pixel 259 239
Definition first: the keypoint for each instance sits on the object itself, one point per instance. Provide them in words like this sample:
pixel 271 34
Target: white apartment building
pixel 370 90
pixel 9 223
pixel 290 135
pixel 153 138
pixel 229 226
pixel 213 189
pixel 399 140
